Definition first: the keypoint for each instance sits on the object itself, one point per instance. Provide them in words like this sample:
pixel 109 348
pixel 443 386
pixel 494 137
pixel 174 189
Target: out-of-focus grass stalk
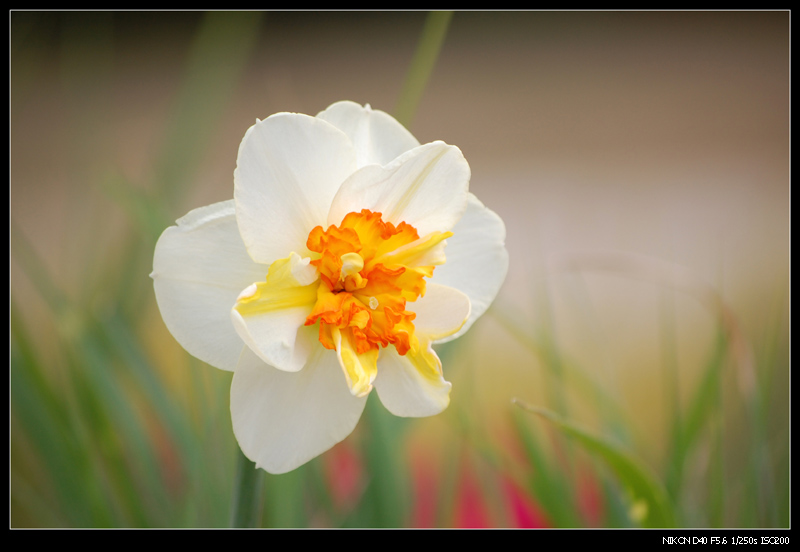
pixel 428 48
pixel 514 323
pixel 552 353
pixel 717 464
pixel 387 495
pixel 761 467
pixel 106 373
pixel 92 406
pixel 649 503
pixel 548 484
pixel 729 337
pixel 39 413
pixel 705 409
pixel 669 353
pixel 601 391
pixel 448 487
pixel 772 504
pixel 86 76
pixel 248 494
pixel 216 60
pixel 284 499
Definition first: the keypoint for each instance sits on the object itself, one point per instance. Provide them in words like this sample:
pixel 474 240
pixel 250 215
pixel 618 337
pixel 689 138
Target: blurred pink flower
pixel 344 474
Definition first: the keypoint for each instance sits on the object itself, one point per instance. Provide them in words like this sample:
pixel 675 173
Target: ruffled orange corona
pixel 369 269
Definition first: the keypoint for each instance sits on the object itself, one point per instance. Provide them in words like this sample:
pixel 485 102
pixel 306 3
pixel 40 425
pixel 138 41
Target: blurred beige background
pixel 656 134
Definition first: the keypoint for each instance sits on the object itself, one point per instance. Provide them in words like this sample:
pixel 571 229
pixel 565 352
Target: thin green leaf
pixel 284 504
pixel 547 485
pixel 388 486
pixel 117 459
pixel 248 494
pixel 579 379
pixel 649 504
pixel 148 215
pixel 428 48
pixel 448 486
pixel 216 60
pixel 43 425
pixel 701 407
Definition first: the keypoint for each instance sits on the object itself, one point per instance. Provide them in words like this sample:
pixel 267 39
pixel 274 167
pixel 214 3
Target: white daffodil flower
pixel 326 275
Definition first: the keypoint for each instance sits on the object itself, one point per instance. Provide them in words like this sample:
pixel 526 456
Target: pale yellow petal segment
pixel 428 250
pixel 425 360
pixel 269 315
pixel 261 297
pixel 291 271
pixel 289 283
pixel 359 369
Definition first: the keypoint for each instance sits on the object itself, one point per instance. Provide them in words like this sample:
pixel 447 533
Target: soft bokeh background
pixel 640 161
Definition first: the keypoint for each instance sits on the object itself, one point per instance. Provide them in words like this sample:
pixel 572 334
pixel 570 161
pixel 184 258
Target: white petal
pixel 405 390
pixel 288 170
pixel 426 187
pixel 282 420
pixel 477 260
pixel 377 136
pixel 199 268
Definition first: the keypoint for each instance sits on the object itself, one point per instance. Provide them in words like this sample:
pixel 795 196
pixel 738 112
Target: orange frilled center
pixel 366 281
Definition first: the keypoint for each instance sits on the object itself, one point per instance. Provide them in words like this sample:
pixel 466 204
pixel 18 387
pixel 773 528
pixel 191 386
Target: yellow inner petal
pixel 425 360
pixel 282 289
pixel 359 369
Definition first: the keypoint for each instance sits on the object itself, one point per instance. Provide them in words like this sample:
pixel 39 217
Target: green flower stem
pixel 248 497
pixel 422 65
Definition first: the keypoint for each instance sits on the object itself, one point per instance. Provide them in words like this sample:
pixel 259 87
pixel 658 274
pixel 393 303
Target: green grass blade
pixel 386 495
pixel 580 380
pixel 116 459
pixel 43 423
pixel 649 504
pixel 248 494
pixel 700 409
pixel 149 215
pixel 547 485
pixel 285 500
pixel 215 64
pixel 119 338
pixel 433 35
